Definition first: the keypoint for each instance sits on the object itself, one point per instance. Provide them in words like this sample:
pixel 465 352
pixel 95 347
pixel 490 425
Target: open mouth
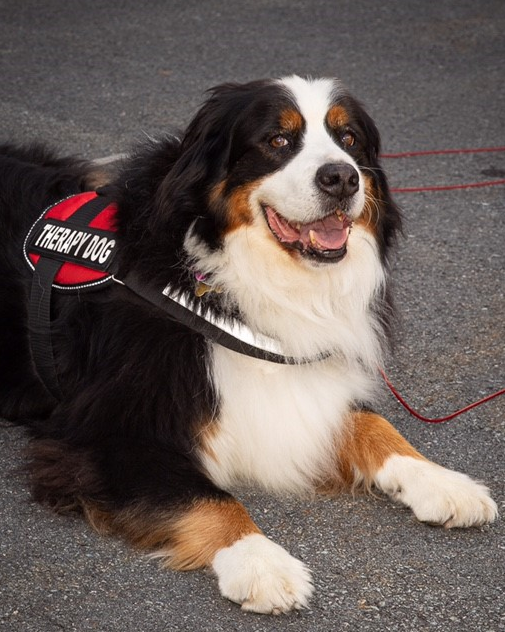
pixel 324 239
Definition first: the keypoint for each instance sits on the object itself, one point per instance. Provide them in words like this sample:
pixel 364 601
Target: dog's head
pixel 294 158
pixel 277 198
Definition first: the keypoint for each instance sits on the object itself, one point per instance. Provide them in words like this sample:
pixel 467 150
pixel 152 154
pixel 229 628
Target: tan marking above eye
pixel 337 117
pixel 291 121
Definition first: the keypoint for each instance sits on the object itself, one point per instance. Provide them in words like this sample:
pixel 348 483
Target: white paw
pixel 262 576
pixel 435 494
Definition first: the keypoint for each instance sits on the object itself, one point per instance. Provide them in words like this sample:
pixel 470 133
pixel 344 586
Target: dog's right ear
pixel 205 147
pixel 204 158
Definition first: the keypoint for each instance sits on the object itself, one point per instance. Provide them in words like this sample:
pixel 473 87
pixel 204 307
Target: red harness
pixel 78 232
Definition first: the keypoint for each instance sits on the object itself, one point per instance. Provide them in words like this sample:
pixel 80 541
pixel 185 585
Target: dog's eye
pixel 348 139
pixel 279 141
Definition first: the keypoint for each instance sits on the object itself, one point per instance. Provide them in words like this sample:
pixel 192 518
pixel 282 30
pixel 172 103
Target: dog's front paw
pixel 261 576
pixel 435 494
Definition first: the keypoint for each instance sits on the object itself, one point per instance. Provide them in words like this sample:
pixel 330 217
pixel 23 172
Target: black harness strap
pixel 201 325
pixel 91 209
pixel 39 319
pixel 39 322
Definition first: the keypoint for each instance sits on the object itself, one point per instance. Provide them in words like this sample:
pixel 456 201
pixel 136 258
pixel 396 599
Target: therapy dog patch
pixel 79 232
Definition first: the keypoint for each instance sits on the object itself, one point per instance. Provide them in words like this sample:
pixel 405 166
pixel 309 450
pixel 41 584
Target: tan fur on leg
pixel 187 538
pixel 370 441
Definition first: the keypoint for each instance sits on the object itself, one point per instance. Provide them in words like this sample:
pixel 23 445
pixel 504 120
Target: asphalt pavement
pixel 93 79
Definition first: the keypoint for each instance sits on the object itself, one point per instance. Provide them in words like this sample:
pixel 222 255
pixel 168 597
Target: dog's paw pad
pixel 262 577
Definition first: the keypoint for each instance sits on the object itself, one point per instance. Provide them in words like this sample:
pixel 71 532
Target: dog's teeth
pixel 312 237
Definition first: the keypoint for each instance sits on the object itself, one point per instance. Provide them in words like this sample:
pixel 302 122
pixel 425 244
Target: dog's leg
pixel 217 533
pixel 376 454
pixel 161 503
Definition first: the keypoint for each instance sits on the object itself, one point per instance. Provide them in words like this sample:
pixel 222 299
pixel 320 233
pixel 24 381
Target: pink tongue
pixel 329 233
pixel 281 227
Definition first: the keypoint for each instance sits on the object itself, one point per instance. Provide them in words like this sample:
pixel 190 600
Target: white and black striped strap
pixel 228 333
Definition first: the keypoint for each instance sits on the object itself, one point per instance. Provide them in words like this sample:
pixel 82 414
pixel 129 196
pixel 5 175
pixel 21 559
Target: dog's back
pixel 32 176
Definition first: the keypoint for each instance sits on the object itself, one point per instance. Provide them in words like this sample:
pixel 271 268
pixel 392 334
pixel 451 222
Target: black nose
pixel 338 179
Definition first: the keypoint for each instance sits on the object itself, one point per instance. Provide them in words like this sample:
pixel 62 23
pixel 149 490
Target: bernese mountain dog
pixel 269 221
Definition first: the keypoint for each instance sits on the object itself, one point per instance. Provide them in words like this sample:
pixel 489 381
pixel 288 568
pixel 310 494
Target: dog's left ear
pixel 391 217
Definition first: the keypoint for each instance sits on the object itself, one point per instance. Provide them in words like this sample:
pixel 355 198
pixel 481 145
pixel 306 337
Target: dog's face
pixel 296 158
pixel 313 189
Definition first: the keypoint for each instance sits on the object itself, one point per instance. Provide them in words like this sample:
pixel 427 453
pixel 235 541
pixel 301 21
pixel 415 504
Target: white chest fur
pixel 278 424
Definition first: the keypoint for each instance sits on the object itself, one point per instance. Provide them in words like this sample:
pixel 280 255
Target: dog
pixel 269 225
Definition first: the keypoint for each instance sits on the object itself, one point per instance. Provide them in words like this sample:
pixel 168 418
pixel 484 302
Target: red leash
pixel 437 152
pixel 437 420
pixel 449 187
